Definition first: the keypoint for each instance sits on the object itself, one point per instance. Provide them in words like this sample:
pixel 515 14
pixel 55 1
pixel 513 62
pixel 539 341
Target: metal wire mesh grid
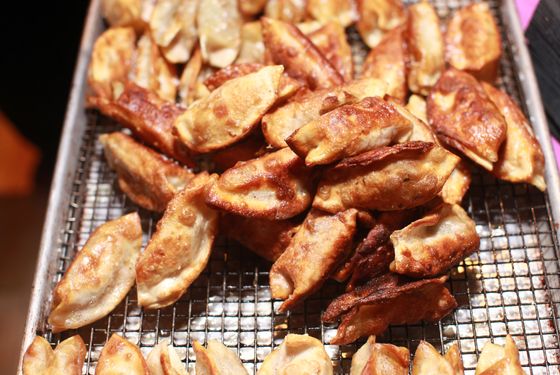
pixel 511 286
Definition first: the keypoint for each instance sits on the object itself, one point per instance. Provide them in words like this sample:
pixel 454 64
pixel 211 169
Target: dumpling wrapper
pixel 292 11
pixel 180 247
pixel 249 148
pixel 520 157
pixel 124 13
pixel 330 39
pixel 189 81
pixel 68 357
pixel 298 354
pixel 252 45
pixel 380 359
pixel 457 184
pixel 350 130
pixel 428 361
pixel 324 241
pixel 217 359
pixel 275 186
pixel 434 243
pixel 343 12
pixel 121 357
pixel 377 17
pixel 302 109
pixel 386 179
pixel 100 275
pixel 496 359
pixel 163 360
pixel 230 112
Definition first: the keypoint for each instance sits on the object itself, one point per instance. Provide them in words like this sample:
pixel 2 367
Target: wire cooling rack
pixel 511 286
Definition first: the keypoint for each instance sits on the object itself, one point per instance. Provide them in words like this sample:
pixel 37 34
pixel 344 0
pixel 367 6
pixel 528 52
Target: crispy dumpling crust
pixel 121 357
pixel 377 17
pixel 428 361
pixel 217 359
pixel 100 275
pixel 67 358
pixel 163 360
pixel 380 359
pixel 496 359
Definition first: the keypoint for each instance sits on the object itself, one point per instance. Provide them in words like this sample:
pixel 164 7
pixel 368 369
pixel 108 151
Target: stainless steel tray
pixel 511 286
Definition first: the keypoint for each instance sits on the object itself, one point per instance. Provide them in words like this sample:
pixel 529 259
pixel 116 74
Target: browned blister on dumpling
pixel 520 158
pixel 287 46
pixel 111 59
pixel 292 11
pixel 473 42
pixel 145 176
pixel 298 354
pixel 275 186
pixel 149 118
pixel 230 112
pixel 343 12
pixel 428 361
pixel 269 241
pixel 331 41
pixel 426 60
pixel 464 117
pixel 219 27
pixel 120 356
pixel 350 130
pixel 323 240
pixel 389 299
pixel 302 109
pixel 386 179
pixel 377 17
pixel 67 358
pixel 457 184
pixel 100 275
pixel 217 359
pixel 433 244
pixel 499 360
pixel 380 359
pixel 163 360
pixel 252 46
pixel 387 62
pixel 180 247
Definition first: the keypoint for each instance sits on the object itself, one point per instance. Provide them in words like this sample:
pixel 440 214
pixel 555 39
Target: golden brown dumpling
pixel 343 12
pixel 230 112
pixel 463 117
pixel 249 148
pixel 292 11
pixel 499 360
pixel 324 241
pixel 298 354
pixel 377 17
pixel 380 359
pixel 433 244
pixel 100 275
pixel 417 106
pixel 331 41
pixel 121 357
pixel 122 13
pixel 428 361
pixel 301 109
pixel 67 358
pixel 473 42
pixel 252 46
pixel 216 359
pixel 180 247
pixel 145 176
pixel 386 179
pixel 457 184
pixel 163 360
pixel 425 48
pixel 520 158
pixel 189 83
pixel 275 186
pixel 287 46
pixel 349 130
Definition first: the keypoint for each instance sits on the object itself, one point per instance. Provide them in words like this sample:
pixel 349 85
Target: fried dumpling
pixel 386 179
pixel 189 81
pixel 302 109
pixel 457 184
pixel 417 106
pixel 343 12
pixel 380 359
pixel 100 275
pixel 269 241
pixel 251 7
pixel 111 59
pixel 275 186
pixel 520 157
pixel 377 17
pixel 473 42
pixel 463 117
pixel 151 71
pixel 230 112
pixel 425 48
pixel 323 240
pixel 389 299
pixel 433 244
pixel 149 118
pixel 121 357
pixel 387 62
pixel 331 41
pixel 180 247
pixel 252 45
pixel 249 148
pixel 287 46
pixel 217 359
pixel 123 13
pixel 219 26
pixel 298 354
pixel 496 359
pixel 163 360
pixel 292 11
pixel 67 358
pixel 145 176
pixel 428 361
pixel 349 130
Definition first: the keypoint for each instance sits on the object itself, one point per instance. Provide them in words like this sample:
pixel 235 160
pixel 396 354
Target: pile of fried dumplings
pixel 249 119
